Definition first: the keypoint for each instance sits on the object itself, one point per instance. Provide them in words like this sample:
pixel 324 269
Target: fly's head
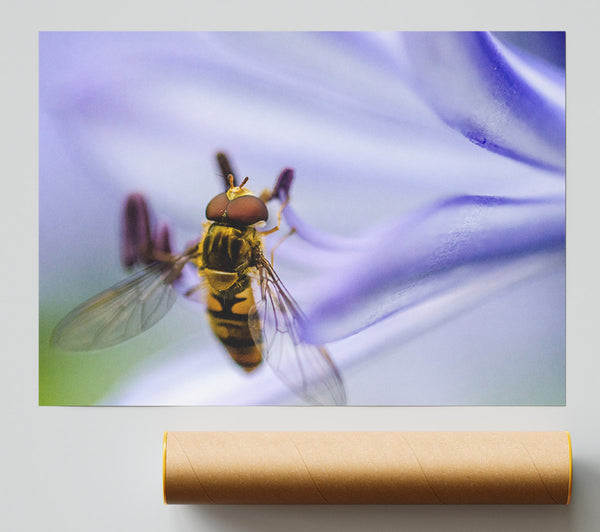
pixel 237 206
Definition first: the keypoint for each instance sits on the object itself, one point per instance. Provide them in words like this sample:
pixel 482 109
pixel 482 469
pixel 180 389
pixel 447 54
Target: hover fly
pixel 249 309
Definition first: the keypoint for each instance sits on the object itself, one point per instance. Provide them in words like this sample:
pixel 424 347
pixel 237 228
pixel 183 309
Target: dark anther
pixel 225 169
pixel 136 241
pixel 140 244
pixel 162 239
pixel 281 191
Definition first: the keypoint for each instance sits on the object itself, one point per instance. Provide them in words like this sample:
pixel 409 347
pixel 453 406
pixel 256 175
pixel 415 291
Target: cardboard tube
pixel 367 467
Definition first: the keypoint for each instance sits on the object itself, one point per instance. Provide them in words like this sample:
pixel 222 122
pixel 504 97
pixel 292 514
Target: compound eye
pixel 247 210
pixel 216 207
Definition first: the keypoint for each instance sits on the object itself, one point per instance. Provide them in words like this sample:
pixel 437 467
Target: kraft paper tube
pixel 367 467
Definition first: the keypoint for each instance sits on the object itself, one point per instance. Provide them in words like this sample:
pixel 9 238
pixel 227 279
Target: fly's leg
pixel 195 293
pixel 276 228
pixel 281 191
pixel 284 237
pixel 279 214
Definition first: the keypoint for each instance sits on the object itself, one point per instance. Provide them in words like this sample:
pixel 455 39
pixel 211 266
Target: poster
pixel 428 209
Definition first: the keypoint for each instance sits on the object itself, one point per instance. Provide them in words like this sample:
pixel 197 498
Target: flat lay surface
pixel 78 468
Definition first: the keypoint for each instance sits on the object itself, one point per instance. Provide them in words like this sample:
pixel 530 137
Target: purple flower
pixel 432 268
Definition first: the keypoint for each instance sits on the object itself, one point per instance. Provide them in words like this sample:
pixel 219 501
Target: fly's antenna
pixel 231 180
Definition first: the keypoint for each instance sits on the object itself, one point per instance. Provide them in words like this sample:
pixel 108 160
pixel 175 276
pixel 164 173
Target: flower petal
pixel 497 99
pixel 148 111
pixel 435 250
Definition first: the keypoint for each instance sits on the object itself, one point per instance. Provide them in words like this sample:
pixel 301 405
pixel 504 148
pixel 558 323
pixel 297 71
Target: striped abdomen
pixel 227 255
pixel 228 317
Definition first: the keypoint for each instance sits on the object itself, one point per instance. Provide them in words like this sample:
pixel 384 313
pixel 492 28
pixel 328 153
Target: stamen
pixel 140 243
pixel 162 238
pixel 225 167
pixel 136 240
pixel 281 190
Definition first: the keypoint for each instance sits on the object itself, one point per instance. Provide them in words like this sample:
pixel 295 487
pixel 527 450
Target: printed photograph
pixel 302 218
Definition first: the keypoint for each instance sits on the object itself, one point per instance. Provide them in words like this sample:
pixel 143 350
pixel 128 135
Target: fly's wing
pixel 123 311
pixel 275 323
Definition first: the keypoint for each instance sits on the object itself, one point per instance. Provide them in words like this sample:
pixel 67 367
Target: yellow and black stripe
pixel 228 317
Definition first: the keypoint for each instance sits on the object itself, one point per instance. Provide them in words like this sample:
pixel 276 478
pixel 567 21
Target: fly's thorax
pixel 226 248
pixel 227 253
